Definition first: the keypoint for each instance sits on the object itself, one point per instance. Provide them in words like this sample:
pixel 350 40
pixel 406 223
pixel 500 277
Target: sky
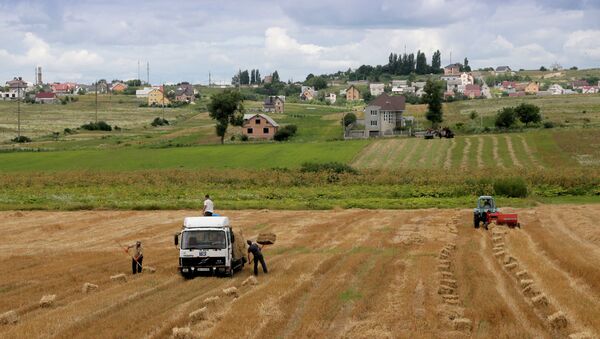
pixel 83 40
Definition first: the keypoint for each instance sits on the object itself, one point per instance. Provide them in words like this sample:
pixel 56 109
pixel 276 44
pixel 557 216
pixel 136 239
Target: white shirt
pixel 208 205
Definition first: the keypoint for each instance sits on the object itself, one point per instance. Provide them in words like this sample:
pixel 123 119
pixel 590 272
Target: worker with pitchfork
pixel 136 252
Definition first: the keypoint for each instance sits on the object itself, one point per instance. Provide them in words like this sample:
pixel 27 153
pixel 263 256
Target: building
pixel 556 89
pixel 384 115
pixel 377 89
pixel 352 93
pixel 45 98
pixel 156 97
pixel 472 91
pixel 517 94
pixel 268 79
pixel 532 88
pixel 399 83
pixel 64 88
pixel 143 93
pixel 16 89
pixel 118 87
pixel 452 69
pixel 589 90
pixel 578 84
pixel 307 93
pixel 331 98
pixel 259 126
pixel 503 69
pixel 184 92
pixel 274 104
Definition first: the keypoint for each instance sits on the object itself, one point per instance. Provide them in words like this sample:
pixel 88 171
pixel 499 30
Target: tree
pixel 349 119
pixel 433 93
pixel 244 78
pixel 436 62
pixel 252 77
pixel 528 113
pixel 367 96
pixel 422 67
pixel 465 67
pixel 275 77
pixel 257 77
pixel 226 108
pixel 506 117
pixel 543 69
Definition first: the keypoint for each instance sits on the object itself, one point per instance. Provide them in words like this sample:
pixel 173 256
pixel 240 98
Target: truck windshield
pixel 201 240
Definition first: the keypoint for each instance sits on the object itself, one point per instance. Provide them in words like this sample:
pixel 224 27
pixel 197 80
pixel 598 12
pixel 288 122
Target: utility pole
pixel 163 100
pixel 148 72
pixel 96 116
pixel 19 111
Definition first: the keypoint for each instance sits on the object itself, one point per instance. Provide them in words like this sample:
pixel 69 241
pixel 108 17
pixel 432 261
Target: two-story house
pixel 259 126
pixel 452 69
pixel 274 104
pixel 384 114
pixel 184 92
pixel 352 93
pixel 156 97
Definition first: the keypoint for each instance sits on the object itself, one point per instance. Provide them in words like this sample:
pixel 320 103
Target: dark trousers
pixel 262 263
pixel 208 214
pixel 135 268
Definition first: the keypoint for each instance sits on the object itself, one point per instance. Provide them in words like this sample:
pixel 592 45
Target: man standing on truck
pixel 137 256
pixel 256 251
pixel 209 207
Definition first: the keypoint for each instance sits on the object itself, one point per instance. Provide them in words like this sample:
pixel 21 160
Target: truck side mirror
pixel 176 239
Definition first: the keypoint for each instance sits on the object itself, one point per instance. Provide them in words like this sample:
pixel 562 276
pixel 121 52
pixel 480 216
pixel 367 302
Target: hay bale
pixel 445 251
pixel 558 320
pixel 239 245
pixel 88 287
pixel 452 301
pixel 447 275
pixel 530 291
pixel 499 254
pixel 498 248
pixel 251 280
pixel 444 268
pixel 451 245
pixel 523 274
pixel 540 300
pixel 449 282
pixel 199 314
pixel 47 300
pixel 119 278
pixel 444 262
pixel 266 238
pixel 443 256
pixel 497 239
pixel 232 292
pixel 462 324
pixel 211 300
pixel 526 282
pixel 445 290
pixel 581 335
pixel 10 317
pixel 183 333
pixel 450 312
pixel 508 259
pixel 511 266
pixel 149 269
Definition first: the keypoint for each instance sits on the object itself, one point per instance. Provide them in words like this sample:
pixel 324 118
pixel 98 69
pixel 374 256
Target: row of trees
pixel 406 64
pixel 247 78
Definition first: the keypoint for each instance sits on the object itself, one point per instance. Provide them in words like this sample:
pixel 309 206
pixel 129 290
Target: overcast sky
pixel 81 40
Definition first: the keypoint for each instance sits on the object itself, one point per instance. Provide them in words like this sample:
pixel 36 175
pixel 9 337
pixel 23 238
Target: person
pixel 137 256
pixel 209 207
pixel 256 251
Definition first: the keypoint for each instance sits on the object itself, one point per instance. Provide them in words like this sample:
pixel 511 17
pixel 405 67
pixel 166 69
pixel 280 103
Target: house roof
pixel 578 83
pixel 184 89
pixel 61 87
pixel 264 116
pixel 45 95
pixel 16 82
pixel 453 65
pixel 472 88
pixel 270 100
pixel 352 86
pixel 502 68
pixel 389 103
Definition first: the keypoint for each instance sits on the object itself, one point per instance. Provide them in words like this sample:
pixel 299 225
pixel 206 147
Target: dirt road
pixel 333 274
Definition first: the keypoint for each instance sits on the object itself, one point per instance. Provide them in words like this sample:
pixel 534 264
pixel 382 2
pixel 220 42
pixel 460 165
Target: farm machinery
pixel 487 212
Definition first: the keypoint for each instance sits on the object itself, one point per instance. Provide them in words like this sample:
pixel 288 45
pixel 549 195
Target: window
pixel 257 121
pixel 266 130
pixel 250 131
pixel 374 123
pixel 373 113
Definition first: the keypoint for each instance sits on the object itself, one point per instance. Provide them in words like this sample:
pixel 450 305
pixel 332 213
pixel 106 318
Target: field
pixel 344 273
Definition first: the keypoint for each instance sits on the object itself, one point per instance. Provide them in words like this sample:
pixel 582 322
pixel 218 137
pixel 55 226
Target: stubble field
pixel 341 273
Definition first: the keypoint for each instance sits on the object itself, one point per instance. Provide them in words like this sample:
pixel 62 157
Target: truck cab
pixel 207 245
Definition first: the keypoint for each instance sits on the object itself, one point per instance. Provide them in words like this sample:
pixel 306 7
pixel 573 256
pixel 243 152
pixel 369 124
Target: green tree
pixel 257 77
pixel 436 62
pixel 506 117
pixel 422 67
pixel 252 77
pixel 465 67
pixel 367 96
pixel 226 108
pixel 543 69
pixel 244 78
pixel 275 77
pixel 349 119
pixel 433 94
pixel 528 113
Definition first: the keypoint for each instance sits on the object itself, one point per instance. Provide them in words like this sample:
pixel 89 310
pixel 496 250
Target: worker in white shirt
pixel 209 207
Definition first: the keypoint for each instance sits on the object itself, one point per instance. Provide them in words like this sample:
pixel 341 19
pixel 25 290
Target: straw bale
pixel 444 262
pixel 462 324
pixel 266 238
pixel 499 254
pixel 511 265
pixel 497 239
pixel 450 296
pixel 121 277
pixel 211 300
pixel 540 300
pixel 523 274
pixel 531 291
pixel 232 291
pixel 449 282
pixel 452 301
pixel 10 317
pixel 447 275
pixel 183 333
pixel 444 268
pixel 88 287
pixel 526 282
pixel 149 269
pixel 445 290
pixel 450 312
pixel 581 335
pixel 199 314
pixel 239 245
pixel 451 245
pixel 508 259
pixel 558 320
pixel 251 280
pixel 47 300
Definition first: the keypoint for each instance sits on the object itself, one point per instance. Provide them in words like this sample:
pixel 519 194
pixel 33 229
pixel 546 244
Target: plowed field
pixel 346 273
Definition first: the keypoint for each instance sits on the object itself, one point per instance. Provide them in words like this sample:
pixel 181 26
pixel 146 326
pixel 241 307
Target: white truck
pixel 209 245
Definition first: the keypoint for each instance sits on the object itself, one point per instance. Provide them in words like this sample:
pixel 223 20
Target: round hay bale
pixel 48 300
pixel 10 317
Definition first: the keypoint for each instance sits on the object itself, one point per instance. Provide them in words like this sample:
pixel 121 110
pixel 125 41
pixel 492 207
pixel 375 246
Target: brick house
pixel 532 88
pixel 274 104
pixel 472 91
pixel 259 126
pixel 118 87
pixel 184 92
pixel 352 93
pixel 452 69
pixel 45 98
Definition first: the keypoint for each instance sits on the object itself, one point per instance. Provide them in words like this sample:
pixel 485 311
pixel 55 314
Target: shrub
pixel 285 133
pixel 506 117
pixel 528 113
pixel 97 126
pixel 349 119
pixel 548 124
pixel 511 187
pixel 68 131
pixel 143 104
pixel 159 122
pixel 21 139
pixel 244 137
pixel 334 167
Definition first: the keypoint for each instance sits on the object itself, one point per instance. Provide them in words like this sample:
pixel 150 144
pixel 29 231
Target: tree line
pixel 247 78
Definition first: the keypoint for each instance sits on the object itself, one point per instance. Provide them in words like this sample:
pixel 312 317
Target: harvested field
pixel 341 273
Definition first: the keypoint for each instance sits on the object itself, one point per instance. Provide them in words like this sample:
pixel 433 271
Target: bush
pixel 68 131
pixel 159 122
pixel 244 137
pixel 548 124
pixel 511 187
pixel 285 133
pixel 506 117
pixel 349 119
pixel 97 126
pixel 21 139
pixel 334 167
pixel 528 113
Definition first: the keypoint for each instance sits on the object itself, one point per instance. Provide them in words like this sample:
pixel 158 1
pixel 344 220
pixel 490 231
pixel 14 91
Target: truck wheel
pixel 187 276
pixel 476 221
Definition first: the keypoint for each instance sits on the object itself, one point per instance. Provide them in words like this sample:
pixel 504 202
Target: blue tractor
pixel 485 205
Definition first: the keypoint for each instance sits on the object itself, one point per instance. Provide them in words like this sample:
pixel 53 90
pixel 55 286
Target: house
pixel 101 87
pixel 516 94
pixel 384 115
pixel 331 98
pixel 578 84
pixel 400 83
pixel 156 97
pixel 62 88
pixel 274 104
pixel 556 89
pixel 503 69
pixel 352 93
pixel 268 79
pixel 184 92
pixel 376 89
pixel 589 90
pixel 506 85
pixel 143 93
pixel 259 126
pixel 16 89
pixel 118 87
pixel 45 98
pixel 454 83
pixel 472 91
pixel 452 69
pixel 532 88
pixel 307 93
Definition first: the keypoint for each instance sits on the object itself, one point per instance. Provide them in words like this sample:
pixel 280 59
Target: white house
pixel 143 93
pixel 556 89
pixel 376 89
pixel 331 98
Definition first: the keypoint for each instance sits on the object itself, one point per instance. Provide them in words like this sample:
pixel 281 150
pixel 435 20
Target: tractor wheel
pixel 476 221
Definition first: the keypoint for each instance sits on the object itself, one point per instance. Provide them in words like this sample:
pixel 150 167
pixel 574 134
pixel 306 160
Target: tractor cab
pixel 485 204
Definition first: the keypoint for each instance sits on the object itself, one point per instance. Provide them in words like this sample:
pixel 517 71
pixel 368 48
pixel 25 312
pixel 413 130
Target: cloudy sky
pixel 81 40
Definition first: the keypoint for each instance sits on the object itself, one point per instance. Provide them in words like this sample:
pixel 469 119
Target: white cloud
pixel 585 43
